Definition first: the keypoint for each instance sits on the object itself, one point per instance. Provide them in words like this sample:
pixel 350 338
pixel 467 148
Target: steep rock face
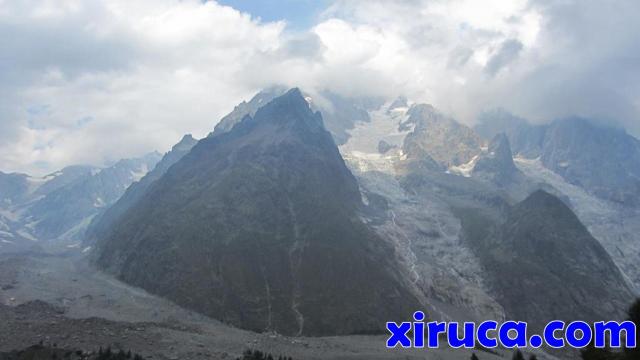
pixel 497 163
pixel 340 114
pixel 543 264
pixel 101 224
pixel 443 139
pixel 604 161
pixel 248 108
pixel 258 227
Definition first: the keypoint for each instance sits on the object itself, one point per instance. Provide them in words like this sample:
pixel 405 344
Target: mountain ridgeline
pixel 104 221
pixel 555 268
pixel 258 226
pixel 262 224
pixel 603 160
pixel 57 208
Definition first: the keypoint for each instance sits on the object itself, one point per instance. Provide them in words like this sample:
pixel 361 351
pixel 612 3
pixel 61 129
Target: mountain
pixel 104 221
pixel 464 239
pixel 73 204
pixel 525 139
pixel 543 264
pixel 259 227
pixel 59 206
pixel 603 160
pixel 13 188
pixel 442 138
pixel 496 163
pixel 340 114
pixel 248 108
pixel 59 179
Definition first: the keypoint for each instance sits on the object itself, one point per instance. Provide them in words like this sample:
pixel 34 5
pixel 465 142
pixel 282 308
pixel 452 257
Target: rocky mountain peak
pixel 564 269
pixel 186 142
pixel 497 161
pixel 447 141
pixel 400 103
pixel 258 226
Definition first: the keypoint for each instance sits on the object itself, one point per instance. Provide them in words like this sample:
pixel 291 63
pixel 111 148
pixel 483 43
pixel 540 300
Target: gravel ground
pixel 61 300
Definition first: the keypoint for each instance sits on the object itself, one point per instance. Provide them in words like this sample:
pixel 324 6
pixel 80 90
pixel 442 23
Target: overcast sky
pixel 92 81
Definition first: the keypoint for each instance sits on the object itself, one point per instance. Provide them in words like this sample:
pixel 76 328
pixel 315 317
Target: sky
pixel 93 81
pixel 299 14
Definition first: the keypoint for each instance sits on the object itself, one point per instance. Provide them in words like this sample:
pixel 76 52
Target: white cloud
pixel 118 78
pixel 94 81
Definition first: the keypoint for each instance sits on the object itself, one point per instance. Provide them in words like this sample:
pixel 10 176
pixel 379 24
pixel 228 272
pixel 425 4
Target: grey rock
pixel 258 227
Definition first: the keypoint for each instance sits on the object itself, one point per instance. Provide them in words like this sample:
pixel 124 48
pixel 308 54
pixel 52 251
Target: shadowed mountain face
pixel 604 161
pixel 543 264
pixel 258 227
pixel 497 163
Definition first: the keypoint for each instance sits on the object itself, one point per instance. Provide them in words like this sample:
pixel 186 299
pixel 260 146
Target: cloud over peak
pixel 91 82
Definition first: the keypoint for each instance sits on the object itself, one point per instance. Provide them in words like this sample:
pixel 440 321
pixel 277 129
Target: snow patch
pixel 26 235
pixel 98 202
pixel 465 169
pixel 140 173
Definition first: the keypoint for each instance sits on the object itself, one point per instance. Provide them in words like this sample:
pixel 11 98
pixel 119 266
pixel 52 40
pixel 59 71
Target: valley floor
pixel 61 300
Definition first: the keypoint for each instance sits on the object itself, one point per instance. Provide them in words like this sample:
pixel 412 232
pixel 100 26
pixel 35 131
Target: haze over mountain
pixel 604 161
pixel 59 206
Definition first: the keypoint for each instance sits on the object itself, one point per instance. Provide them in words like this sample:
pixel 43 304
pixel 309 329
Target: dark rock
pixel 258 227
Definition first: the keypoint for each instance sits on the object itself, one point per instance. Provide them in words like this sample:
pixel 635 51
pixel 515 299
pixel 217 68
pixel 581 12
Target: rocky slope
pixel 543 264
pixel 429 210
pixel 442 138
pixel 258 227
pixel 496 164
